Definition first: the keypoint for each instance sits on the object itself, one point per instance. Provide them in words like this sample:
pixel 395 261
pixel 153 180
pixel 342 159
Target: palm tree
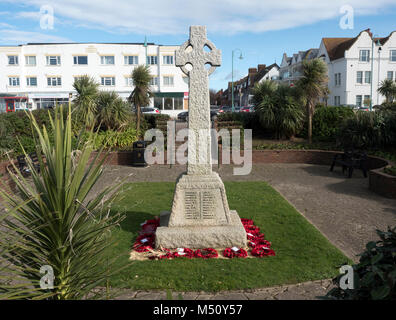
pixel 112 111
pixel 313 86
pixel 388 89
pixel 141 95
pixel 87 90
pixel 278 108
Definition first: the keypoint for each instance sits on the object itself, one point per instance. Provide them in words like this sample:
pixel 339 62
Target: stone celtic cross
pixel 199 141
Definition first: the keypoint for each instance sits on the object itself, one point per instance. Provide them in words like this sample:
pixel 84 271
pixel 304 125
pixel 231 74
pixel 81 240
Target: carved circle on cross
pixel 198 43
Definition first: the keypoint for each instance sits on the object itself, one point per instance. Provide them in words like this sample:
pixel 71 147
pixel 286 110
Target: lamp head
pixel 240 57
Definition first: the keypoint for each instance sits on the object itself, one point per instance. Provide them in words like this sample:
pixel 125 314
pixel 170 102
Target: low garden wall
pixel 379 181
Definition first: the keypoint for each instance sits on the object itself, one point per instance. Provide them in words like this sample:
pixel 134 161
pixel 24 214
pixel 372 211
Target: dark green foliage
pixel 369 130
pixel 391 170
pixel 278 108
pixel 154 120
pixel 16 125
pixel 113 113
pixel 375 273
pixel 326 122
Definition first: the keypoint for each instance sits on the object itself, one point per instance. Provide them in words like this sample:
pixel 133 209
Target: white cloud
pixel 222 16
pixel 10 36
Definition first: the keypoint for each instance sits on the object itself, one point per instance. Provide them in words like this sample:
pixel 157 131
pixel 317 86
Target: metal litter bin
pixel 138 153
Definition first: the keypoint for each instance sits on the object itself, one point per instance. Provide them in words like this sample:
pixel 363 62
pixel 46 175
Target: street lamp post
pixel 232 76
pixel 372 68
pixel 379 74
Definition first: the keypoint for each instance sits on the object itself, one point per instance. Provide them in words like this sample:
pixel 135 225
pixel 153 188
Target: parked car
pixel 224 109
pixel 182 116
pixel 150 110
pixel 247 109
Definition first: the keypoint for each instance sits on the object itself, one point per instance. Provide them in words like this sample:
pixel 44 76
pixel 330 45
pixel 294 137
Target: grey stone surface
pixel 196 237
pixel 200 216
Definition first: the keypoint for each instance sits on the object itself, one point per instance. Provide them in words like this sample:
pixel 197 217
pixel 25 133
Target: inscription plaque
pixel 207 204
pixel 191 204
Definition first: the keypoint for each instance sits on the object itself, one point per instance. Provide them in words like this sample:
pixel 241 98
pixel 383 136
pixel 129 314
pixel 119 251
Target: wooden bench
pixel 351 160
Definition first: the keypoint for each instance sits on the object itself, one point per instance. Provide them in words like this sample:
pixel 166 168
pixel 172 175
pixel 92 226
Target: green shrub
pixel 116 139
pixel 391 170
pixel 375 274
pixel 153 120
pixel 369 130
pixel 326 122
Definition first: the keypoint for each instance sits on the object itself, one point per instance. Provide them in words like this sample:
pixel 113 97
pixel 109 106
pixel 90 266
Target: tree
pixel 112 111
pixel 388 89
pixel 141 94
pixel 278 108
pixel 52 221
pixel 313 86
pixel 87 91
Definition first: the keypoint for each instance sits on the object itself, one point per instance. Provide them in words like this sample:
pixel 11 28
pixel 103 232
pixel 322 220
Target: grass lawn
pixel 302 253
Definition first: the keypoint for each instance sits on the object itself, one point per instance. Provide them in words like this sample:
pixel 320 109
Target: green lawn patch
pixel 302 252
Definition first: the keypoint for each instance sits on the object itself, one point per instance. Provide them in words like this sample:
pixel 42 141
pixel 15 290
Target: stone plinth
pixel 196 237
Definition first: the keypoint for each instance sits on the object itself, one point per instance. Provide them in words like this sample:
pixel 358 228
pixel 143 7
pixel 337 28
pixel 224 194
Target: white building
pixel 291 67
pixel 357 66
pixel 42 74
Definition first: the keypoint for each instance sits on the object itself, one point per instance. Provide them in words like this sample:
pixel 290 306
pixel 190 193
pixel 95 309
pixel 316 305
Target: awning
pixel 169 94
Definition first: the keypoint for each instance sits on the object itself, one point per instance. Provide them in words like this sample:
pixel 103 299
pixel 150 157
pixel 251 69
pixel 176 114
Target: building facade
pixel 356 67
pixel 291 68
pixel 38 75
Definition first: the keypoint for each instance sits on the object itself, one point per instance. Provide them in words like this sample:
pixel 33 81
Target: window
pixel 168 103
pixel 367 77
pixel 359 101
pixel 30 60
pixel 80 60
pixel 131 60
pixel 364 55
pixel 393 55
pixel 168 81
pixel 13 60
pixel 54 81
pixel 178 102
pixel 167 59
pixel 107 81
pixel 128 81
pixel 31 81
pixel 158 103
pixel 337 100
pixel 366 100
pixel 337 79
pixel 107 59
pixel 390 75
pixel 154 81
pixel 53 60
pixel 13 81
pixel 186 80
pixel 152 60
pixel 359 77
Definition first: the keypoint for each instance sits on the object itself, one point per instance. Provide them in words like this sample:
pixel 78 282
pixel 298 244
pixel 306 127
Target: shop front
pixel 11 103
pixel 171 103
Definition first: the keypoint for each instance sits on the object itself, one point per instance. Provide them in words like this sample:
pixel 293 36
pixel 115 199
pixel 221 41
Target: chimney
pixel 261 67
pixel 252 71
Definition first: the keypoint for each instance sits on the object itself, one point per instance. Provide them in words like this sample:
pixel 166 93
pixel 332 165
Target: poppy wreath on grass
pixel 262 251
pixel 206 253
pixel 260 247
pixel 231 253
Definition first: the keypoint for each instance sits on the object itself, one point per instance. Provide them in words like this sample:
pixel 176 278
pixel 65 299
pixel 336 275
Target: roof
pixel 58 43
pixel 336 47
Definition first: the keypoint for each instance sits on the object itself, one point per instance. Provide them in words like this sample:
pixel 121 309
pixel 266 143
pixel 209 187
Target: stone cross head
pixel 197 56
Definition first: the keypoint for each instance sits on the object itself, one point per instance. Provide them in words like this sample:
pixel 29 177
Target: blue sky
pixel 262 30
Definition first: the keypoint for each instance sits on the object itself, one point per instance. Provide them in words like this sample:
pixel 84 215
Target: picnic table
pixel 23 165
